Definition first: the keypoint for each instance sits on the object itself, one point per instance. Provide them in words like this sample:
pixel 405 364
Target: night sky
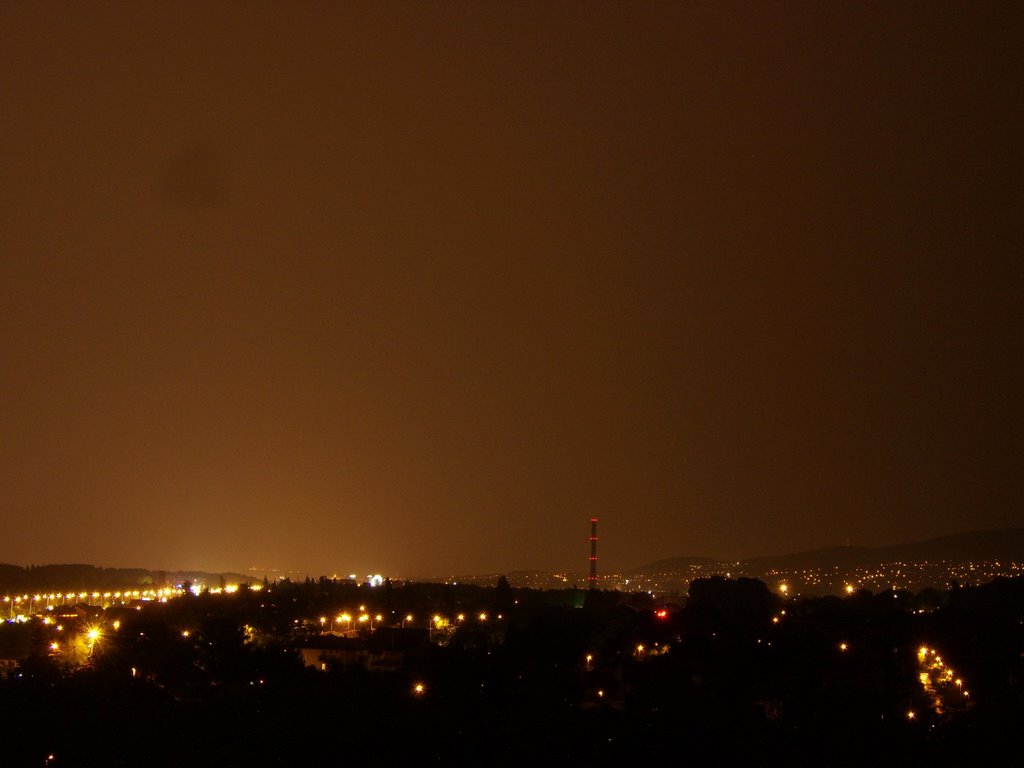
pixel 417 288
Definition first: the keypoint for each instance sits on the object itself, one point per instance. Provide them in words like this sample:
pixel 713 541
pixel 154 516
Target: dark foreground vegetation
pixel 736 676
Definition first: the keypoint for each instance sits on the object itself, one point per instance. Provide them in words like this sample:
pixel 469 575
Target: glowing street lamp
pixel 93 635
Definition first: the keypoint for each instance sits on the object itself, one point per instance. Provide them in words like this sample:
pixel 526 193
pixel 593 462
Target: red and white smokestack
pixel 592 579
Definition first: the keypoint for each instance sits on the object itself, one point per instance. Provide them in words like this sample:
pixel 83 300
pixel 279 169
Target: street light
pixel 93 635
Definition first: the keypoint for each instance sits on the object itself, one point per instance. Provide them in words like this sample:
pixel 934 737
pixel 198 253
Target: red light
pixel 661 613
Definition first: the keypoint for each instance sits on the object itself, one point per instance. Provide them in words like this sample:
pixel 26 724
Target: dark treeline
pixel 78 576
pixel 737 676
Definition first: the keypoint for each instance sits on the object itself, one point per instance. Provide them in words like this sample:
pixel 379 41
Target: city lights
pixel 936 693
pixel 942 686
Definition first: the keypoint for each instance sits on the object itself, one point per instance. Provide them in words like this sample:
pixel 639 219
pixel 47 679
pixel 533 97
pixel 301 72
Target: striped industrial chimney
pixel 592 578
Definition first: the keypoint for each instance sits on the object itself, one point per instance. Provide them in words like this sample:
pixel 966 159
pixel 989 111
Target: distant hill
pixel 845 557
pixel 1004 544
pixel 674 564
